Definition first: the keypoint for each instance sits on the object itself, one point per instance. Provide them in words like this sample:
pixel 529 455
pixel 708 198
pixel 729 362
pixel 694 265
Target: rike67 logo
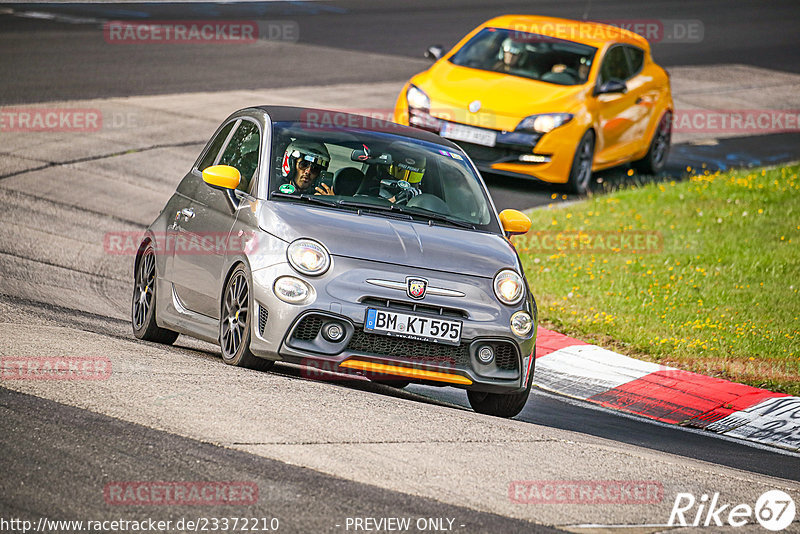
pixel 774 510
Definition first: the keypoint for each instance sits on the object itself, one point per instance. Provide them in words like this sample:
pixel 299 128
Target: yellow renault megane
pixel 546 98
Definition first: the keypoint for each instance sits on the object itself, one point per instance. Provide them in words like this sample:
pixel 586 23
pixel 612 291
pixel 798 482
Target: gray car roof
pixel 294 114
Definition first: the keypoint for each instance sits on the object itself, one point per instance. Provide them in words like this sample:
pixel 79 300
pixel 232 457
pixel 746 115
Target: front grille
pixel 487 153
pixel 414 307
pixel 410 349
pixel 263 315
pixel 505 355
pixel 308 328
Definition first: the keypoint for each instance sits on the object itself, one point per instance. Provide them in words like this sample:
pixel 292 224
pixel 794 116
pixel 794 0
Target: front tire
pixel 500 404
pixel 656 158
pixel 234 323
pixel 143 302
pixel 580 175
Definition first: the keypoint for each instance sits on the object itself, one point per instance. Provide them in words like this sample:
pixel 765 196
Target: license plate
pixel 412 327
pixel 478 136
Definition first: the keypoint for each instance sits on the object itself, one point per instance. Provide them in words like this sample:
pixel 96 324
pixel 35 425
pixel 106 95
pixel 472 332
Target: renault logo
pixel 415 287
pixel 475 106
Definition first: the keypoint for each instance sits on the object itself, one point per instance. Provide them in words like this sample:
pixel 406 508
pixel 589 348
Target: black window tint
pixel 636 56
pixel 615 66
pixel 242 152
pixel 216 144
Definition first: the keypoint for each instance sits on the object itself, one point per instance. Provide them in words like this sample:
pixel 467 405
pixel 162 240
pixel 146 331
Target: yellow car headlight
pixel 308 257
pixel 417 99
pixel 509 287
pixel 543 123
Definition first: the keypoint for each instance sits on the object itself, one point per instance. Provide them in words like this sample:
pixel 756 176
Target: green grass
pixel 716 290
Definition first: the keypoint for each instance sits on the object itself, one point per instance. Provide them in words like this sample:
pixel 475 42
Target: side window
pixel 213 149
pixel 242 152
pixel 615 66
pixel 636 57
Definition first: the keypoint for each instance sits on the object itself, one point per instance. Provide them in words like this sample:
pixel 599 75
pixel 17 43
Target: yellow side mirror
pixel 222 176
pixel 514 222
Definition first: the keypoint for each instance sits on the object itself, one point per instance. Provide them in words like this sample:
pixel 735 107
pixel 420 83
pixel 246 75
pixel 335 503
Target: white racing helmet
pixel 310 152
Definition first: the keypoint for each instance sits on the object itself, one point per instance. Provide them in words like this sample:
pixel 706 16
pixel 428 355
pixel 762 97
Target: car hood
pixel 451 88
pixel 389 240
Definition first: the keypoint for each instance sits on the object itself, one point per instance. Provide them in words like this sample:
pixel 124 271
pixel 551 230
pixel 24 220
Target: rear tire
pixel 143 301
pixel 656 158
pixel 580 174
pixel 234 323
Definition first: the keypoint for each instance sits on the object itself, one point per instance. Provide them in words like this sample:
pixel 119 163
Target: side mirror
pixel 222 177
pixel 611 86
pixel 514 222
pixel 434 52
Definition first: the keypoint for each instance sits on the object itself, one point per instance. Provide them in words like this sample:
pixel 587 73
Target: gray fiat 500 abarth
pixel 345 243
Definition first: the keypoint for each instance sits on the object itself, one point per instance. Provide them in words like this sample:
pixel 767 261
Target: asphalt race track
pixel 322 450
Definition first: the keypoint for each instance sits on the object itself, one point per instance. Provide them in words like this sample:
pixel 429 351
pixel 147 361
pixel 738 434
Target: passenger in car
pixel 402 180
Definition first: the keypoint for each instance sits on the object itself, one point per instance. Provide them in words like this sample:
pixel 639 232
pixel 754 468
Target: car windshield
pixel 382 174
pixel 528 55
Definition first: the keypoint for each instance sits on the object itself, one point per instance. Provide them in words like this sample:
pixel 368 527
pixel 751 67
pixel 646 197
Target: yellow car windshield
pixel 527 55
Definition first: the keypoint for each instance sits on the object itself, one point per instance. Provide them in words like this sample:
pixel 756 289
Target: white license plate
pixel 412 326
pixel 478 136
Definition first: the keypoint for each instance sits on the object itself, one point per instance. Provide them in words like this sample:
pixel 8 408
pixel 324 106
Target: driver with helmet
pixel 303 161
pixel 402 179
pixel 510 56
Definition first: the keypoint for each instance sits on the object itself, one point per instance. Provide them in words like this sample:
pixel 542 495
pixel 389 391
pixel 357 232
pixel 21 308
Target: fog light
pixel 521 323
pixel 485 354
pixel 534 158
pixel 333 332
pixel 290 289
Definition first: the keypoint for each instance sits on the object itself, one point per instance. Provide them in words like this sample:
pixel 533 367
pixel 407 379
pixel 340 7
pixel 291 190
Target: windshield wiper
pixel 411 213
pixel 366 206
pixel 316 199
pixel 433 216
pixel 323 200
pixel 394 209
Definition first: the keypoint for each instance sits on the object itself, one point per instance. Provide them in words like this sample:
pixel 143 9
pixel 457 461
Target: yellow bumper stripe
pixel 409 372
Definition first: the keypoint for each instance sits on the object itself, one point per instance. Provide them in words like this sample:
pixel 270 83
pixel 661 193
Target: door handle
pixel 639 100
pixel 187 212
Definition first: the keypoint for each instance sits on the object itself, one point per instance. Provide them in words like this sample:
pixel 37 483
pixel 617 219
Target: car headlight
pixel 290 289
pixel 417 98
pixel 521 324
pixel 544 122
pixel 308 257
pixel 509 287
